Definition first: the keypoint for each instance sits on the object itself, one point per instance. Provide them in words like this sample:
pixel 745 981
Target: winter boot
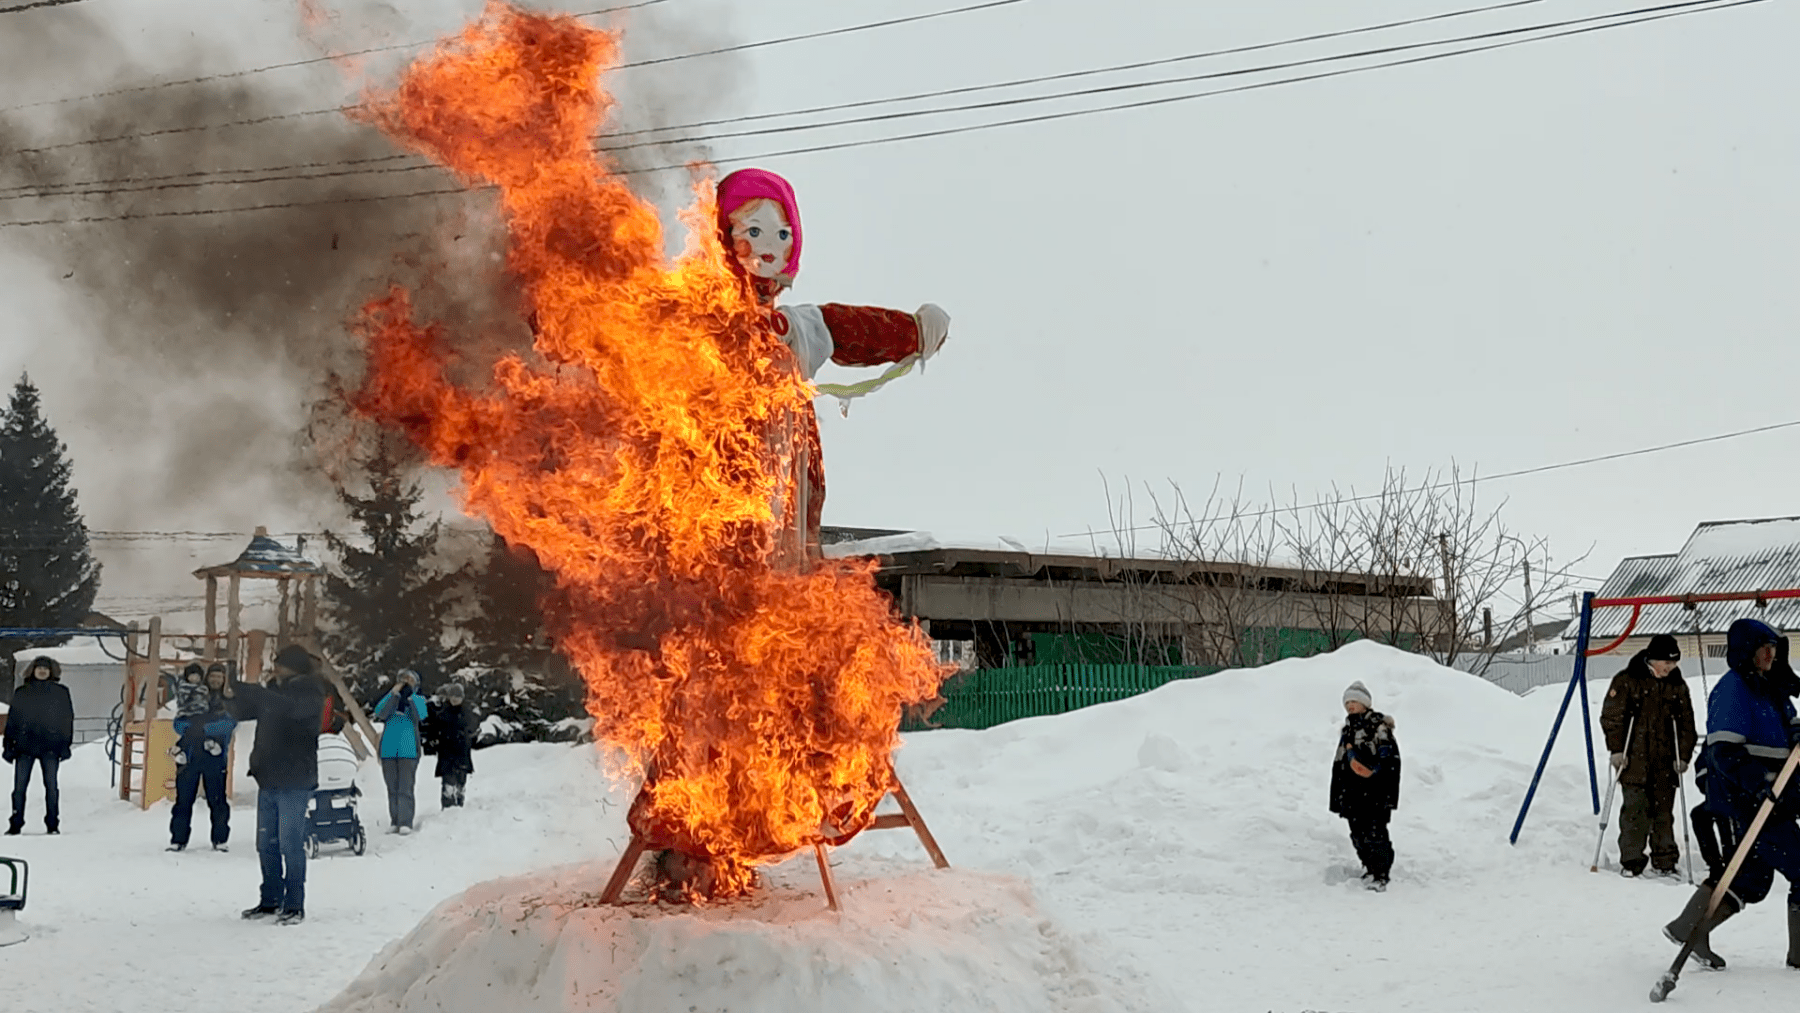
pixel 290 916
pixel 260 911
pixel 1793 937
pixel 1677 931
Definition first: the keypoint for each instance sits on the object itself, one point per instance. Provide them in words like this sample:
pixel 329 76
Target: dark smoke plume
pixel 211 340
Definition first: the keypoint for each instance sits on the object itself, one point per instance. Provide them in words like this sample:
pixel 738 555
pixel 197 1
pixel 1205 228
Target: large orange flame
pixel 760 699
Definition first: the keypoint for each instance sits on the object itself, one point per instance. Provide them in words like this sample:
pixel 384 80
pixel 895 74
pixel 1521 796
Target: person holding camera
pixel 285 763
pixel 401 713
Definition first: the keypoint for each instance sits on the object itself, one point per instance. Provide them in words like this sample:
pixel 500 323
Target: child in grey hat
pixel 1365 782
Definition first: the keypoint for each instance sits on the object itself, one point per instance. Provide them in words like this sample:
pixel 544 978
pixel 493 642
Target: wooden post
pixel 212 617
pixel 233 617
pixel 153 697
pixel 359 717
pixel 309 610
pixel 621 877
pixel 127 739
pixel 283 632
pixel 831 900
pixel 253 660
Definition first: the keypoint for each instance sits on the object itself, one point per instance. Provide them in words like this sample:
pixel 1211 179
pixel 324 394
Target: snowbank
pixel 1177 840
pixel 924 942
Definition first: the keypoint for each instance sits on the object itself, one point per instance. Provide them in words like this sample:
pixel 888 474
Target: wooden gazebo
pixel 263 559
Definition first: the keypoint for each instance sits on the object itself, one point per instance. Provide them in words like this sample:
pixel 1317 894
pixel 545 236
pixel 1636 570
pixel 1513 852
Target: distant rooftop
pixel 1720 556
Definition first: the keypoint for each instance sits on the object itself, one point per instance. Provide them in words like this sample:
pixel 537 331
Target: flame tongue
pixel 760 702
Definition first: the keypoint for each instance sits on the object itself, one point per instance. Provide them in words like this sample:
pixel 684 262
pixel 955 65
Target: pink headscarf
pixel 746 185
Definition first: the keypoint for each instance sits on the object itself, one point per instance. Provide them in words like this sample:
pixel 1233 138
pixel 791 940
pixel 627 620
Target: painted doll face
pixel 761 238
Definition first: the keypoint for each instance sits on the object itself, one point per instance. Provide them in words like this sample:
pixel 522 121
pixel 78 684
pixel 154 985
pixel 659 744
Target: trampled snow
pixel 1169 851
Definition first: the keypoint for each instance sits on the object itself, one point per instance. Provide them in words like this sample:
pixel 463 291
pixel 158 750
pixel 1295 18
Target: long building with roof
pixel 1720 556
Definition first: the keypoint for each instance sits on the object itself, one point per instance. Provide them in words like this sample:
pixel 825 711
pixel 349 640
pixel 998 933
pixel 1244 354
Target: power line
pixel 273 66
pixel 1067 75
pixel 1520 473
pixel 1164 82
pixel 821 35
pixel 277 117
pixel 65 189
pixel 1682 9
pixel 35 4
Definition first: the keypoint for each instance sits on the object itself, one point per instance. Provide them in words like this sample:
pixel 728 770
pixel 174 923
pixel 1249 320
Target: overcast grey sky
pixel 1503 260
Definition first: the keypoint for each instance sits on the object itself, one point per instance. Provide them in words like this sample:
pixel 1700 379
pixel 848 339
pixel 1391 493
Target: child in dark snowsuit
pixel 1365 782
pixel 192 702
pixel 450 731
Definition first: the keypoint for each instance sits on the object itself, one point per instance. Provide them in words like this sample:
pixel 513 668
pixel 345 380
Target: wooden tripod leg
pixel 831 900
pixel 615 887
pixel 918 825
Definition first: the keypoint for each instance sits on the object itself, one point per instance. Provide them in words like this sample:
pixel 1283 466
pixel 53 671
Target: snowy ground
pixel 1173 849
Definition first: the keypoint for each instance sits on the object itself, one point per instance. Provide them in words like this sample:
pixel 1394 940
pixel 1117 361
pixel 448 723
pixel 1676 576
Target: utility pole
pixel 1450 644
pixel 1487 628
pixel 1530 630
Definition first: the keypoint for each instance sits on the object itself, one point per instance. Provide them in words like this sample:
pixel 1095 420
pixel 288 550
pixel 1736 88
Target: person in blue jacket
pixel 205 741
pixel 402 714
pixel 1751 729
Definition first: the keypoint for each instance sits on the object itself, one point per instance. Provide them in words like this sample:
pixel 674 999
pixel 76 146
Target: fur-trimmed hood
pixel 43 659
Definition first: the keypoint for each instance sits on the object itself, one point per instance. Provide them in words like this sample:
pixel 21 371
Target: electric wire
pixel 1665 11
pixel 1477 479
pixel 25 191
pixel 225 75
pixel 35 4
pixel 32 190
pixel 305 113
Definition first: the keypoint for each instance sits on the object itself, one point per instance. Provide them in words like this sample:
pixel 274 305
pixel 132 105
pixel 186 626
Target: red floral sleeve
pixel 869 335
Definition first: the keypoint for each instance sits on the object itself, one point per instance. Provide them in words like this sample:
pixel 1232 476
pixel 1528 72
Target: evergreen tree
pixel 517 674
pixel 387 607
pixel 47 576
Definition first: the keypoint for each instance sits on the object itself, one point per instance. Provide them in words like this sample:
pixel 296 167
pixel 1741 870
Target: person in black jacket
pixel 40 729
pixel 450 731
pixel 1365 782
pixel 288 713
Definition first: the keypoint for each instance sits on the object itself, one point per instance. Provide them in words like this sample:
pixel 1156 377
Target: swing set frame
pixel 1578 680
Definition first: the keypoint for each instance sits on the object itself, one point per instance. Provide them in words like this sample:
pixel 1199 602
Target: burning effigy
pixel 658 453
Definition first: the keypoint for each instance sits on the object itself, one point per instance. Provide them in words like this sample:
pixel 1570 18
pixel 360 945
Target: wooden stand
pixel 908 816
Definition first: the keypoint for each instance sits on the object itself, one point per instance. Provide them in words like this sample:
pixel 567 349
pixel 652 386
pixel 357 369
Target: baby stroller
pixel 332 814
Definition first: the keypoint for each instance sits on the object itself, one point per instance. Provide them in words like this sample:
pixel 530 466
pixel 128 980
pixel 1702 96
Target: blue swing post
pixel 1577 682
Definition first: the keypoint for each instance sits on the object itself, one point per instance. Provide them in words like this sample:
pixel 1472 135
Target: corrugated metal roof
pixel 264 556
pixel 1720 556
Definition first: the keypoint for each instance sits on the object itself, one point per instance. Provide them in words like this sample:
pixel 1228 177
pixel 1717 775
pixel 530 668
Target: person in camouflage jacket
pixel 1648 720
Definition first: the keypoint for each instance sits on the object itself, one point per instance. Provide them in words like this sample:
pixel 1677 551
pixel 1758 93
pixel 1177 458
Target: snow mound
pixel 920 942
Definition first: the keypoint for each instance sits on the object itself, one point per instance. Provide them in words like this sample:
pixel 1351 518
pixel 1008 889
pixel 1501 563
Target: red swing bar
pixel 1582 652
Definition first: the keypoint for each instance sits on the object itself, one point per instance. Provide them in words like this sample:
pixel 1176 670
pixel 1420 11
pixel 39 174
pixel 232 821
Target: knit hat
pixel 294 658
pixel 1662 648
pixel 453 692
pixel 194 670
pixel 1359 693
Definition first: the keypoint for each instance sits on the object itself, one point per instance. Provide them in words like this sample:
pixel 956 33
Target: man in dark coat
pixel 1648 720
pixel 1751 730
pixel 1365 782
pixel 285 763
pixel 205 744
pixel 450 732
pixel 40 729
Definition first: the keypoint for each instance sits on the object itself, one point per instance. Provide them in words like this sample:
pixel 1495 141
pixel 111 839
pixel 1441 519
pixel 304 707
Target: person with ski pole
pixel 1648 720
pixel 1745 767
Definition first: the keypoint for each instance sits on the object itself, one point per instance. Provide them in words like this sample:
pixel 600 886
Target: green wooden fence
pixel 985 697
